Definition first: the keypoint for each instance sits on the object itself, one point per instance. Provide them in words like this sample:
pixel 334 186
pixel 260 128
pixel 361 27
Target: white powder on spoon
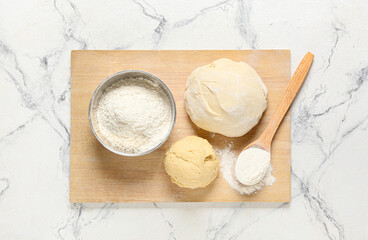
pixel 134 115
pixel 252 165
pixel 228 158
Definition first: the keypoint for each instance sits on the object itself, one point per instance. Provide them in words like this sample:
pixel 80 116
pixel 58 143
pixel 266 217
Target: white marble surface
pixel 329 117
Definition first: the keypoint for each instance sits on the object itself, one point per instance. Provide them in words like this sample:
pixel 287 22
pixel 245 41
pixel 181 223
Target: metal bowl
pixel 120 76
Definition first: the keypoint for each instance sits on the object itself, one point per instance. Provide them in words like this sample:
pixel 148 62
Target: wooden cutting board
pixel 97 175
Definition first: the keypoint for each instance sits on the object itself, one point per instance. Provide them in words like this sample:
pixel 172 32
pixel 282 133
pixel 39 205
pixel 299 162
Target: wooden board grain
pixel 97 175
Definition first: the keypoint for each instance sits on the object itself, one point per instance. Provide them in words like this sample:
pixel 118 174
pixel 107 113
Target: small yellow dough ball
pixel 191 162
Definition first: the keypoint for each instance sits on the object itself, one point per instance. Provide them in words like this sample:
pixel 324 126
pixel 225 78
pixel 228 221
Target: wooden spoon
pixel 264 141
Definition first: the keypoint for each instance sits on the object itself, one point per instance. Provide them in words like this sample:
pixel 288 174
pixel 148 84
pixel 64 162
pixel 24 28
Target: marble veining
pixel 4 185
pixel 329 116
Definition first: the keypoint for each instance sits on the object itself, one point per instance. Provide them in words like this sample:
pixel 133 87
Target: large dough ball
pixel 225 97
pixel 191 162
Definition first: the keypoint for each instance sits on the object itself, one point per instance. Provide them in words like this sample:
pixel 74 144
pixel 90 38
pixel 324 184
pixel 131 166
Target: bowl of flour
pixel 132 113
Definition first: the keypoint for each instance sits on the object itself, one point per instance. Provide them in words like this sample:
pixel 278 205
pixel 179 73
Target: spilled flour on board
pixel 228 157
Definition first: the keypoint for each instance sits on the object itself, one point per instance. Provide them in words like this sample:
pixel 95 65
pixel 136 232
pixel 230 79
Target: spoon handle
pixel 288 97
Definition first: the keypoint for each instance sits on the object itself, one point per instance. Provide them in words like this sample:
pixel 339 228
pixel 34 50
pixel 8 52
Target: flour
pixel 134 115
pixel 252 165
pixel 228 159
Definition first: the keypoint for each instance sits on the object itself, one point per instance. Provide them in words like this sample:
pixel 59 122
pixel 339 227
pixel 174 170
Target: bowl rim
pixel 173 108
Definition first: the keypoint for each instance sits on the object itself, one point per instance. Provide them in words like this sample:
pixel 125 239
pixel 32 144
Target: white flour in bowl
pixel 134 115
